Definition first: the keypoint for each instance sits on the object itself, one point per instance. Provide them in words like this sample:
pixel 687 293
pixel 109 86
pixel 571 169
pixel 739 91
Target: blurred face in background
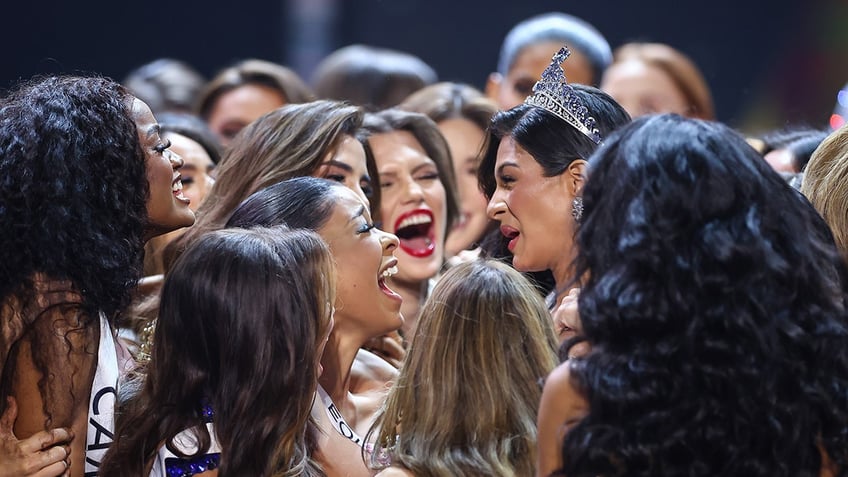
pixel 239 107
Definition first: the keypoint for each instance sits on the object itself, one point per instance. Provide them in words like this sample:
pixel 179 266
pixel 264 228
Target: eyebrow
pixel 153 130
pixel 505 165
pixel 340 165
pixel 359 212
pixel 429 163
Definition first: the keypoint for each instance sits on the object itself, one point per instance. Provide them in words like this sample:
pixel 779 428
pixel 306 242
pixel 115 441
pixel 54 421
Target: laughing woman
pixel 533 173
pixel 86 181
pixel 365 306
pixel 418 199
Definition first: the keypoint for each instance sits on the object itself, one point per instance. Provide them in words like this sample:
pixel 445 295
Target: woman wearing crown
pixel 534 170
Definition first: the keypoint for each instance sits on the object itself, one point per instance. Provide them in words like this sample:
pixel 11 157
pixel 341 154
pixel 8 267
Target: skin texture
pixel 364 310
pixel 560 408
pixel 347 165
pixel 41 455
pixel 166 210
pixel 523 202
pixel 197 166
pixel 409 181
pixel 511 90
pixel 643 89
pixel 464 140
pixel 239 107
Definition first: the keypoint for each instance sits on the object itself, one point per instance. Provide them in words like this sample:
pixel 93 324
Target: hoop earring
pixel 577 208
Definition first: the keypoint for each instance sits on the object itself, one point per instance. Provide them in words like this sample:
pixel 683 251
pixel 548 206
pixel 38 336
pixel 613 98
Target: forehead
pixel 534 58
pixel 511 151
pixel 394 146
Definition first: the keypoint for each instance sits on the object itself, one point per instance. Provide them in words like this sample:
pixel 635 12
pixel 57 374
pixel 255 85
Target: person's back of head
pixel 485 336
pixel 711 278
pixel 825 184
pixel 375 78
pixel 256 305
pixel 74 186
pixel 166 85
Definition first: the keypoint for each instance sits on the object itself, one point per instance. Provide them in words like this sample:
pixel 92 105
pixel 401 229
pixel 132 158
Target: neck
pixel 414 294
pixel 563 274
pixel 337 360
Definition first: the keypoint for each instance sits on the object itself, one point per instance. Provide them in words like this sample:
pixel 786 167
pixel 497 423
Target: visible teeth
pixel 390 271
pixel 177 186
pixel 415 220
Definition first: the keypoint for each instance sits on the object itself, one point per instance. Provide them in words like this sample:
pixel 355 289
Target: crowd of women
pixel 576 271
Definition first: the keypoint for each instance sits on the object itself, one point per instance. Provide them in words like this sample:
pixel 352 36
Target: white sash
pixel 338 420
pixel 101 407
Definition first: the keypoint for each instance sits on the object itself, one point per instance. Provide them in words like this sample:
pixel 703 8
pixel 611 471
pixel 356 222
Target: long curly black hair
pixel 73 190
pixel 715 306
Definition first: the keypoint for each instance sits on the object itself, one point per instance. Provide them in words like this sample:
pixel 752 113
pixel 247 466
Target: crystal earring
pixel 577 208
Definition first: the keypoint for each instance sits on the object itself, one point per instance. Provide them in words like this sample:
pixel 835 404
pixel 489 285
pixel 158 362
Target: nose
pixel 389 241
pixel 496 206
pixel 413 193
pixel 176 160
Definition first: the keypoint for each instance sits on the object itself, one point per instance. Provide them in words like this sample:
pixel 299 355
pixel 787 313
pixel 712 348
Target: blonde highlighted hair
pixel 466 399
pixel 825 184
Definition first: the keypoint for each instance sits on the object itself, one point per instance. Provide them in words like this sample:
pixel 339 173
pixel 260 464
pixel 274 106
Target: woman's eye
pixel 187 180
pixel 524 87
pixel 365 228
pixel 428 176
pixel 506 179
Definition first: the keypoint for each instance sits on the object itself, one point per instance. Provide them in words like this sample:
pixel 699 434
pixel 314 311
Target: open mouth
pixel 511 234
pixel 415 232
pixel 387 272
pixel 177 190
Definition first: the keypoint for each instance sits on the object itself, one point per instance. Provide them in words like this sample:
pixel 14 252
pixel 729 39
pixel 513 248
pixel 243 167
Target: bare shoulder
pixel 561 396
pixel 561 407
pixel 395 472
pixel 370 373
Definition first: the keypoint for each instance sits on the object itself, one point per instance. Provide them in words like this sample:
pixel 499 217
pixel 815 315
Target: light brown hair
pixel 825 184
pixel 682 71
pixel 466 399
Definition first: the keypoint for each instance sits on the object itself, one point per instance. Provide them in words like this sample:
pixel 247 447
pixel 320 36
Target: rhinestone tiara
pixel 553 93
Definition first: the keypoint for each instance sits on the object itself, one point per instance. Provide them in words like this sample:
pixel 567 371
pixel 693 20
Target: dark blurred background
pixel 769 63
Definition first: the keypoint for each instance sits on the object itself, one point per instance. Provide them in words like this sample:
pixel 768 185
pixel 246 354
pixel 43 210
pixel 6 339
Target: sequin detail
pixel 176 467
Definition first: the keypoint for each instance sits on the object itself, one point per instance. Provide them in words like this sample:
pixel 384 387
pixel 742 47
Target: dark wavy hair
pixel 242 316
pixel 73 190
pixel 717 330
pixel 553 144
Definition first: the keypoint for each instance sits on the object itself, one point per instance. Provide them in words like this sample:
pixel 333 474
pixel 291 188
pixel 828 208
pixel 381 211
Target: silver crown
pixel 553 93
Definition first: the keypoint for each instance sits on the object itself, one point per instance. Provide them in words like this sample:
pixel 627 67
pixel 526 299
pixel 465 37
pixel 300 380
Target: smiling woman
pixel 86 179
pixel 418 198
pixel 366 306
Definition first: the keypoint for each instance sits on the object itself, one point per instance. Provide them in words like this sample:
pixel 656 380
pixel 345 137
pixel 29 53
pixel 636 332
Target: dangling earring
pixel 577 208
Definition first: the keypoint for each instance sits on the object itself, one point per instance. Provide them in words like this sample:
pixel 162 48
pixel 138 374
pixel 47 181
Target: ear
pixel 574 177
pixel 493 84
